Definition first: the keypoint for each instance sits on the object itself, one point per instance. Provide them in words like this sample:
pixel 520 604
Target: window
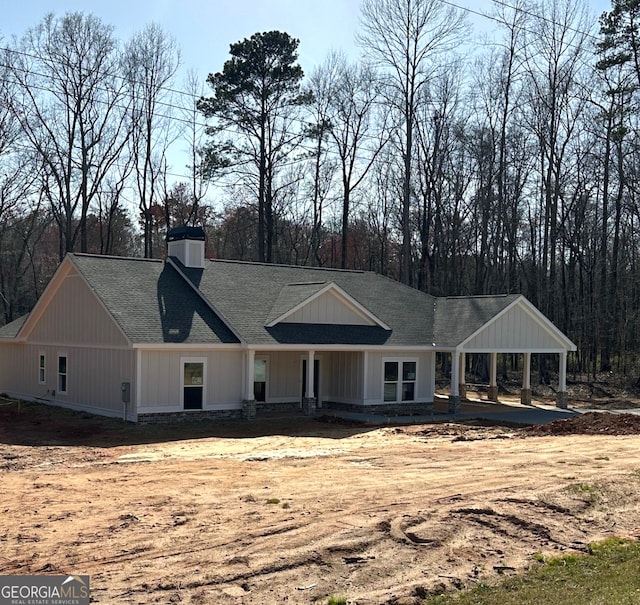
pixel 193 383
pixel 62 374
pixel 41 369
pixel 260 379
pixel 400 380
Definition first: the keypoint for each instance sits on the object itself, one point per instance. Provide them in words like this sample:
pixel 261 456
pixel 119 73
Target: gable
pixel 320 303
pixel 520 328
pixel 256 298
pixel 70 313
pixel 328 308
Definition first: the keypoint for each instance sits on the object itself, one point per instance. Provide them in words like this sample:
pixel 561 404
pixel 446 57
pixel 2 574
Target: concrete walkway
pixel 500 413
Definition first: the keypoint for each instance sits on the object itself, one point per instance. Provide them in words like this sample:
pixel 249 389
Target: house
pixel 151 340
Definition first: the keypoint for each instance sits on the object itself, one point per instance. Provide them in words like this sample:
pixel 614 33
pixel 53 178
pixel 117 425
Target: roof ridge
pixel 287 266
pixel 113 257
pixel 468 296
pixel 405 286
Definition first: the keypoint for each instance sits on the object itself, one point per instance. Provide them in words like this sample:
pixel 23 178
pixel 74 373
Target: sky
pixel 203 29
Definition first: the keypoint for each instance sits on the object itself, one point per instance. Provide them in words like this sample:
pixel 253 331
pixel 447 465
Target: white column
pixel 432 380
pixel 526 371
pixel 365 376
pixel 310 364
pixel 455 373
pixel 493 370
pixel 562 373
pixel 250 359
pixel 463 368
pixel 492 391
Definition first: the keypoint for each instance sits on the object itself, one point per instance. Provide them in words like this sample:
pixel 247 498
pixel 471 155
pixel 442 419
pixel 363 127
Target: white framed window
pixel 62 373
pixel 400 377
pixel 193 381
pixel 42 376
pixel 260 372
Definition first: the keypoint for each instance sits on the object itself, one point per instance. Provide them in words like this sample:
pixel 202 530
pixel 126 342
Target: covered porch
pixel 361 379
pixel 520 329
pixel 459 385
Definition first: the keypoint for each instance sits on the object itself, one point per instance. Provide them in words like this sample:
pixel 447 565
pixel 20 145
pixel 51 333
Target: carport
pixel 519 328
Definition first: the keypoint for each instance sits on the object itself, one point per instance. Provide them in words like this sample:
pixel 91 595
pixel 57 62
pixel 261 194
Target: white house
pixel 152 340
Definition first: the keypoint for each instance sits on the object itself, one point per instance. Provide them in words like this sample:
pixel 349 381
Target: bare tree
pixel 407 39
pixel 323 163
pixel 555 60
pixel 353 119
pixel 194 133
pixel 151 61
pixel 71 106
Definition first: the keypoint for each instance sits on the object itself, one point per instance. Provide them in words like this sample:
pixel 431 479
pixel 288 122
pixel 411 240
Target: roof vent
pixel 187 245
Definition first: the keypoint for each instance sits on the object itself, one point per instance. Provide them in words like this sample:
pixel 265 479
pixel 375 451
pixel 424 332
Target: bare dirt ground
pixel 293 510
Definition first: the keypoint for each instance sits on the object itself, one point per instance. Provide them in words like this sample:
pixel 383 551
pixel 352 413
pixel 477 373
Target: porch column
pixel 525 393
pixel 309 400
pixel 493 377
pixel 562 396
pixel 462 388
pixel 249 402
pixel 454 393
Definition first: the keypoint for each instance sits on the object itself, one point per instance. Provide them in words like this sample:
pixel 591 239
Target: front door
pixel 193 384
pixel 316 378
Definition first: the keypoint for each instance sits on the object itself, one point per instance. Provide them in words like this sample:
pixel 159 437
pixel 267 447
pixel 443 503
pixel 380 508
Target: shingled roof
pixel 458 317
pixel 235 302
pixel 151 302
pixel 249 294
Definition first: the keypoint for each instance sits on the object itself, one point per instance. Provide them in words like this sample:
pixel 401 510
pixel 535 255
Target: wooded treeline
pixel 506 165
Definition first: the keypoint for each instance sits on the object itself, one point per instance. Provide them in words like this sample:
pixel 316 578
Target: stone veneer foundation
pixel 189 416
pixel 386 409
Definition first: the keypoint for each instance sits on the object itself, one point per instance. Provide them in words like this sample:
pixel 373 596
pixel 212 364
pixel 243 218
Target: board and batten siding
pixel 327 309
pixel 284 379
pixel 75 316
pixel 515 331
pixel 425 374
pixel 161 371
pixel 341 374
pixel 94 376
pixel 5 358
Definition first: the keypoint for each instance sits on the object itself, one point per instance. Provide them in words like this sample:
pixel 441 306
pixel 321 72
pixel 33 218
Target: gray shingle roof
pixel 151 302
pixel 249 294
pixel 11 329
pixel 457 318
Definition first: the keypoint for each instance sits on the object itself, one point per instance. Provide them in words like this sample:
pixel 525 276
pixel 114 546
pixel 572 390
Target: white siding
pixel 425 374
pixel 328 308
pixel 161 373
pixel 74 316
pixel 514 331
pixel 284 376
pixel 94 376
pixel 342 376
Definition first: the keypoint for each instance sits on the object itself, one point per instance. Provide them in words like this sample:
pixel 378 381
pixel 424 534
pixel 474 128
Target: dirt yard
pixel 294 511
